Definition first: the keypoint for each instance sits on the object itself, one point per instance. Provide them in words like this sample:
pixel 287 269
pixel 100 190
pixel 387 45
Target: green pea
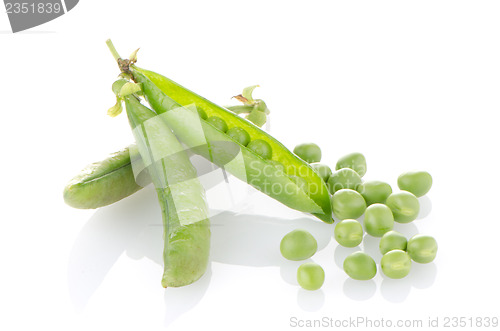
pixel 374 191
pixel 360 266
pixel 422 248
pixel 202 113
pixel 298 245
pixel 322 170
pixel 404 206
pixel 348 233
pixel 239 134
pixel 392 240
pixel 261 147
pixel 378 220
pixel 416 182
pixel 309 152
pixel 354 161
pixel 348 203
pixel 310 276
pixel 343 178
pixel 218 123
pixel 396 264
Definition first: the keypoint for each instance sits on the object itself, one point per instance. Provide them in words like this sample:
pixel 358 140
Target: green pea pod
pixel 164 95
pixel 102 183
pixel 105 182
pixel 180 193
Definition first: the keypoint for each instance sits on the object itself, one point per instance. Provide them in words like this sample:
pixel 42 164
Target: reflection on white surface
pixel 179 300
pixel 250 240
pixel 359 290
pixel 288 270
pixel 134 227
pixel 341 253
pixel 425 207
pixel 106 235
pixel 310 300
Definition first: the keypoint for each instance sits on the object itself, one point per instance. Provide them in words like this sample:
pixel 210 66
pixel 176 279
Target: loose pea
pixel 261 147
pixel 218 123
pixel 348 233
pixel 310 276
pixel 354 161
pixel 404 206
pixel 343 178
pixel 322 170
pixel 396 264
pixel 348 203
pixel 239 134
pixel 422 248
pixel 374 191
pixel 360 266
pixel 309 152
pixel 392 240
pixel 298 245
pixel 378 220
pixel 416 182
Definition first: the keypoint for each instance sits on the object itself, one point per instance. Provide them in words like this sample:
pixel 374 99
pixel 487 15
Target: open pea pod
pixel 295 184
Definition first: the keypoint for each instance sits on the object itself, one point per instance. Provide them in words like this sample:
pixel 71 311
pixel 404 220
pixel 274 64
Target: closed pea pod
pixel 102 183
pixel 180 194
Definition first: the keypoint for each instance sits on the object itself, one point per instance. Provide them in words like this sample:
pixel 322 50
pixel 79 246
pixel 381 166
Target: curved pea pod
pixel 166 96
pixel 102 183
pixel 180 194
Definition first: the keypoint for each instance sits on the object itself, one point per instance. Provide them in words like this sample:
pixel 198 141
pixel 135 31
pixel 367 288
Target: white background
pixel 411 84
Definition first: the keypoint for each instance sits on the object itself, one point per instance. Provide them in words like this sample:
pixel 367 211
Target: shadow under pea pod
pixel 107 235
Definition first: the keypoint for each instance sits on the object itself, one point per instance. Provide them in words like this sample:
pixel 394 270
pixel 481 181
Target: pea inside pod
pixel 322 170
